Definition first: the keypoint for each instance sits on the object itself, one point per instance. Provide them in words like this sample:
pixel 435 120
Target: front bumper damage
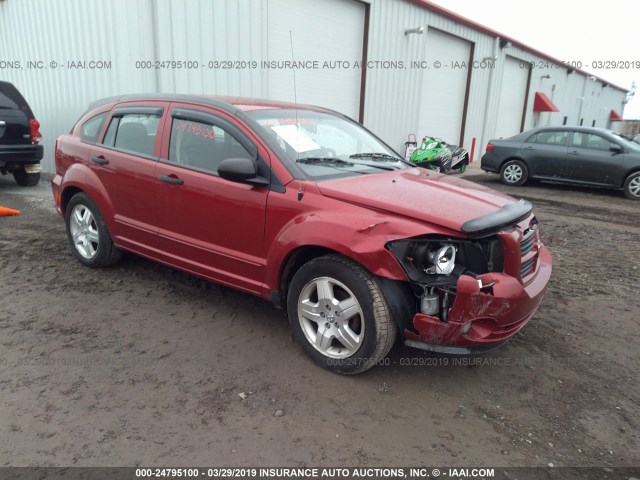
pixel 500 275
pixel 481 320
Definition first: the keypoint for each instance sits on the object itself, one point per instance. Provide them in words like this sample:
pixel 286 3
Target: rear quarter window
pixel 91 128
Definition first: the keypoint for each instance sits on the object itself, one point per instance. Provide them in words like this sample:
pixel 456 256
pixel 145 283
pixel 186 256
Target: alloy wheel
pixel 84 231
pixel 331 317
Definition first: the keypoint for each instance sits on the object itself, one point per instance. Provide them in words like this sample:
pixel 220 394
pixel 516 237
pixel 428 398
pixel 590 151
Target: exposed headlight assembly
pixel 442 260
pixel 438 261
pixel 434 265
pixel 430 263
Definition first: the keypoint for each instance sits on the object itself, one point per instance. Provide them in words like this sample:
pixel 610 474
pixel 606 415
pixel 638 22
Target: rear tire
pixel 25 179
pixel 88 234
pixel 632 186
pixel 339 316
pixel 514 173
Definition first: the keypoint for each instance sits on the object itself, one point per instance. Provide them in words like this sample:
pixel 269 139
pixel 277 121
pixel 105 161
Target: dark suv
pixel 20 152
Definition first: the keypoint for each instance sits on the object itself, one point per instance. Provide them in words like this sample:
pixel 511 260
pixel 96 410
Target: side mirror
pixel 615 148
pixel 242 170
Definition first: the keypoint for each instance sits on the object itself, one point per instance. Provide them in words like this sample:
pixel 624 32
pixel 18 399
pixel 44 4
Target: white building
pixel 457 79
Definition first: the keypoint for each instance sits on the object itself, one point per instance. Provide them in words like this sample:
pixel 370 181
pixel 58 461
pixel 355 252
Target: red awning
pixel 615 116
pixel 542 103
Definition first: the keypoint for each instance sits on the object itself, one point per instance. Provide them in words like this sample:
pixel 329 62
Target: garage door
pixel 444 88
pixel 512 98
pixel 328 31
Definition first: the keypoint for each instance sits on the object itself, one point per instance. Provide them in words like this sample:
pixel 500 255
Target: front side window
pixel 92 127
pixel 202 146
pixel 325 145
pixel 591 141
pixel 133 132
pixel 626 142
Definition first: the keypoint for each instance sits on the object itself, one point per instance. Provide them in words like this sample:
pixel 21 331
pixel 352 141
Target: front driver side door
pixel 208 225
pixel 590 160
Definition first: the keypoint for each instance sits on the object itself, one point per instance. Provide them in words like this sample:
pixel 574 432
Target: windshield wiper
pixel 327 160
pixel 337 162
pixel 381 157
pixel 376 155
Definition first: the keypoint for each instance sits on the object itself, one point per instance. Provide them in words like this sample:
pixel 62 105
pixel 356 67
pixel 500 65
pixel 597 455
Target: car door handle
pixel 528 148
pixel 100 160
pixel 171 179
pixel 574 153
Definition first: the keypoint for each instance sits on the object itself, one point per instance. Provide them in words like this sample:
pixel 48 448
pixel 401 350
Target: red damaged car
pixel 305 207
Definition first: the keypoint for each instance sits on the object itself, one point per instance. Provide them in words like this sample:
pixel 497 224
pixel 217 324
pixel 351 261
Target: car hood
pixel 418 193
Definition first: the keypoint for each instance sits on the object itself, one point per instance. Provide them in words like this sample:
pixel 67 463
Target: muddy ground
pixel 143 365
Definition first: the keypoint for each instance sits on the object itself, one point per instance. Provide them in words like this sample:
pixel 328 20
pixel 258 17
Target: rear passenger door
pixel 211 226
pixel 545 153
pixel 125 161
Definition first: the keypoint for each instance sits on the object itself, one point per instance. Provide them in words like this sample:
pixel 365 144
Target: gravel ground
pixel 143 365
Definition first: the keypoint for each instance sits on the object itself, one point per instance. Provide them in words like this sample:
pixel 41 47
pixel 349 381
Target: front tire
pixel 88 234
pixel 632 186
pixel 25 179
pixel 338 314
pixel 514 173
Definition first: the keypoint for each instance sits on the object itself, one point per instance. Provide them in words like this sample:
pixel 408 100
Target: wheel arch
pixel 67 194
pixel 80 179
pixel 629 172
pixel 397 293
pixel 306 243
pixel 294 260
pixel 513 157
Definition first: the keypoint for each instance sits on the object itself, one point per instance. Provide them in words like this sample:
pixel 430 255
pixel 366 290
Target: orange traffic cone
pixel 6 212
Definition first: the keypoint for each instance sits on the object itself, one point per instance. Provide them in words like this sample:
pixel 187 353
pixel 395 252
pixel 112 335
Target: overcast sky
pixel 568 30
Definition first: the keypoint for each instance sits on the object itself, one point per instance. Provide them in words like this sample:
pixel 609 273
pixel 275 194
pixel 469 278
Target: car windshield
pixel 325 145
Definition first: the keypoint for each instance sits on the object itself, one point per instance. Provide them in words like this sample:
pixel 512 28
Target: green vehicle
pixel 436 154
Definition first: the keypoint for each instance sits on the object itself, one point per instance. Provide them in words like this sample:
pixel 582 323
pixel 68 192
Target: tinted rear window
pixel 10 97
